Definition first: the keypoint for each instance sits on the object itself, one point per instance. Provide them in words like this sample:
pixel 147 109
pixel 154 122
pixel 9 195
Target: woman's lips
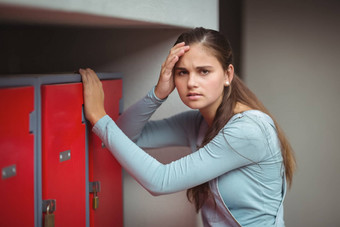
pixel 193 96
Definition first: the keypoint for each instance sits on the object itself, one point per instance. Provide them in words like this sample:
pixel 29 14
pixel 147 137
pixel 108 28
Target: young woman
pixel 237 172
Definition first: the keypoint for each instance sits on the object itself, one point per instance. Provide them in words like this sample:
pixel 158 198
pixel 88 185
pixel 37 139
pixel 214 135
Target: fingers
pixel 174 54
pixel 89 76
pixel 93 95
pixel 93 75
pixel 180 47
pixel 177 51
pixel 83 75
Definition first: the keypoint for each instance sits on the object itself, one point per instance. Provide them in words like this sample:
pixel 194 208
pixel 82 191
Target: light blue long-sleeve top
pixel 243 163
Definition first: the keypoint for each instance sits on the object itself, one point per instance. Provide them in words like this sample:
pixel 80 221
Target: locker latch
pixel 51 203
pixel 48 207
pixel 94 187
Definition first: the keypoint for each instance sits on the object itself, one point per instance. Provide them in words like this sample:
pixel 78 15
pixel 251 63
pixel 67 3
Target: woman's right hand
pixel 165 83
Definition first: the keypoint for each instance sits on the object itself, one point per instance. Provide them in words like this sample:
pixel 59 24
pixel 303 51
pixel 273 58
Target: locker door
pixel 104 168
pixel 17 157
pixel 63 152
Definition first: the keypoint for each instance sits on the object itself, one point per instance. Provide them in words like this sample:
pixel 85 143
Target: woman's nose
pixel 192 81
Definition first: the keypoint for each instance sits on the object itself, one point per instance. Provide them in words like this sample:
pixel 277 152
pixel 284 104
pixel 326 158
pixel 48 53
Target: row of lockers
pixel 51 162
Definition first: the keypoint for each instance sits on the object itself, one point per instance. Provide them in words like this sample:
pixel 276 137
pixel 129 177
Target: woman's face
pixel 200 79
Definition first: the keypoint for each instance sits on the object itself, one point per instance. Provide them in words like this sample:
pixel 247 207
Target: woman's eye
pixel 204 71
pixel 181 73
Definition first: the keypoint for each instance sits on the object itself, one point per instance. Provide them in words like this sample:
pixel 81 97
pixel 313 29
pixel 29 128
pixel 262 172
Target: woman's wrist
pixel 159 95
pixel 93 120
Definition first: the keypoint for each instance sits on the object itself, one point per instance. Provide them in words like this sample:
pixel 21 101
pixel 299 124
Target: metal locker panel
pixel 63 152
pixel 17 157
pixel 104 168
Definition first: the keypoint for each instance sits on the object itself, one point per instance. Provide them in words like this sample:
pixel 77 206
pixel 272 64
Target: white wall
pixel 177 13
pixel 291 61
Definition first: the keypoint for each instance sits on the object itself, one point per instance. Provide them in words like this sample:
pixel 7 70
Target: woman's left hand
pixel 93 95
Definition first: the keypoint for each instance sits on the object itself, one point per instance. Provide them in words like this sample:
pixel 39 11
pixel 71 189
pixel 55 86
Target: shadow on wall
pixel 27 49
pixel 231 13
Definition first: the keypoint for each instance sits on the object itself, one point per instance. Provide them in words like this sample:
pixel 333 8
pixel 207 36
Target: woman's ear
pixel 229 74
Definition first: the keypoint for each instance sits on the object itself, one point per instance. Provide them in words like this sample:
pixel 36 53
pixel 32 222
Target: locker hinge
pixel 83 119
pixel 51 203
pixel 32 122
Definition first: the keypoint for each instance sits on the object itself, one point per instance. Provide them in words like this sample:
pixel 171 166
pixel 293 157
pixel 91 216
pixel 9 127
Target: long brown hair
pixel 236 92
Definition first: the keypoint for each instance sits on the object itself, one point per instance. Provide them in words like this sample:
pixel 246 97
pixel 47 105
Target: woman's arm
pixel 133 120
pixel 173 131
pixel 209 162
pixel 94 94
pixel 136 117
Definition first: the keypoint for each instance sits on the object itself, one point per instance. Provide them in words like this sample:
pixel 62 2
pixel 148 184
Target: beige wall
pixel 291 61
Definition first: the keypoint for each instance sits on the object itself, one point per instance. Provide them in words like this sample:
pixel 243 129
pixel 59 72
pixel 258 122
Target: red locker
pixel 104 168
pixel 17 157
pixel 63 152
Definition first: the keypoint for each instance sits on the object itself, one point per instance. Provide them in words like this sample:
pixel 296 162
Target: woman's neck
pixel 239 108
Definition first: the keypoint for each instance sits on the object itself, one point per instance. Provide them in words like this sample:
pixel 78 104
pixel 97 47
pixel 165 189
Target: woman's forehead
pixel 198 55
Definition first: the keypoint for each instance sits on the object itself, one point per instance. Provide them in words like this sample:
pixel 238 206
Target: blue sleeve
pixel 133 120
pixel 238 144
pixel 174 131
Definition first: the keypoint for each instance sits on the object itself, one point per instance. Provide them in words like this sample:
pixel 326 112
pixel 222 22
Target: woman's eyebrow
pixel 197 67
pixel 180 68
pixel 204 67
